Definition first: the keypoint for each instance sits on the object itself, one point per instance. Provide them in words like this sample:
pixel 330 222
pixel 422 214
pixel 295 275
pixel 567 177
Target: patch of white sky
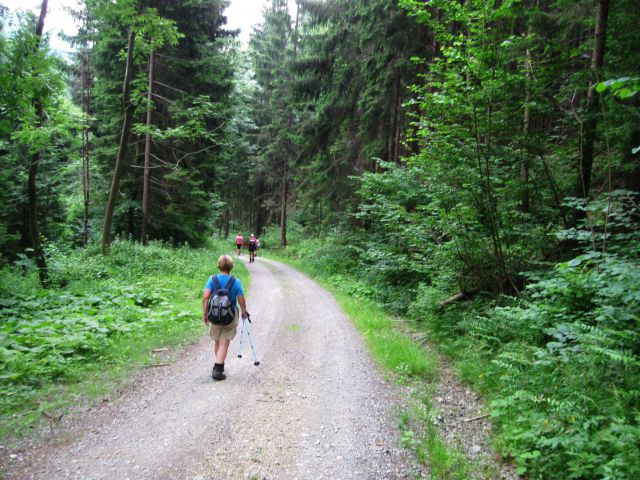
pixel 241 14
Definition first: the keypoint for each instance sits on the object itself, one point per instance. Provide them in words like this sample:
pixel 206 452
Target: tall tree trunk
pixel 590 124
pixel 135 191
pixel 147 158
pixel 396 139
pixel 261 213
pixel 227 223
pixel 393 120
pixel 525 204
pixel 32 184
pixel 122 149
pixel 285 170
pixel 85 144
pixel 283 202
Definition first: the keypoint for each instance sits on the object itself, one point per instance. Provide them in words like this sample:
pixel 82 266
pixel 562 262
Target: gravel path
pixel 315 408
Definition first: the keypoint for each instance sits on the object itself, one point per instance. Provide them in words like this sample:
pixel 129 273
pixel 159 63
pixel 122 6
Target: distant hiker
pixel 222 290
pixel 253 247
pixel 239 242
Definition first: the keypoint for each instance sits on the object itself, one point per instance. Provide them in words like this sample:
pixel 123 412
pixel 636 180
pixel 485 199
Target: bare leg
pixel 221 348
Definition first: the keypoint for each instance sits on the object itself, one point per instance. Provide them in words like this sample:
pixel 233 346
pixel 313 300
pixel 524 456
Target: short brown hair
pixel 225 263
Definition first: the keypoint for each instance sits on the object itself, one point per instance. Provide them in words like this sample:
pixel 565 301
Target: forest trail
pixel 315 408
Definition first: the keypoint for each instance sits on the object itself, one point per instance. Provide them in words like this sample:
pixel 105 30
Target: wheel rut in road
pixel 316 407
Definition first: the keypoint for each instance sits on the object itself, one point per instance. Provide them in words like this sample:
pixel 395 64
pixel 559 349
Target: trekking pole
pixel 241 335
pixel 256 362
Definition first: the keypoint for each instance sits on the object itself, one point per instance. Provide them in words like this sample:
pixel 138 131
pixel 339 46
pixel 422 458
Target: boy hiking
pixel 220 311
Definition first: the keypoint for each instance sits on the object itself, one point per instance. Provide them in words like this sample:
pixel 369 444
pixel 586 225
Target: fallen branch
pixel 456 298
pixel 158 350
pixel 151 365
pixel 473 419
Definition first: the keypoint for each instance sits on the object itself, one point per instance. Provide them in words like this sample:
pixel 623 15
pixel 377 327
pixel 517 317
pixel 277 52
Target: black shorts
pixel 238 246
pixel 253 248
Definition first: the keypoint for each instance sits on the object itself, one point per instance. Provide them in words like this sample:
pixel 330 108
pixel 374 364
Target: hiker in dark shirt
pixel 223 334
pixel 253 247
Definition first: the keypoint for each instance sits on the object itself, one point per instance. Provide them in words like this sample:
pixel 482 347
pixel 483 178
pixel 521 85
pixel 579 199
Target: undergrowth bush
pixel 569 378
pixel 561 366
pixel 48 335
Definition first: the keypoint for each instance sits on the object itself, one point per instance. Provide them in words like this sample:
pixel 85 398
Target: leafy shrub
pixel 48 336
pixel 569 372
pixel 561 366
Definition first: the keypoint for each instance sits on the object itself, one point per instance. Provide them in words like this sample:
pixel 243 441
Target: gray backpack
pixel 220 309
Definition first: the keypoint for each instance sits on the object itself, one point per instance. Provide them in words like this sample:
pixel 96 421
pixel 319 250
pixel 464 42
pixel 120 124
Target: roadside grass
pixel 406 362
pixel 388 345
pixel 99 322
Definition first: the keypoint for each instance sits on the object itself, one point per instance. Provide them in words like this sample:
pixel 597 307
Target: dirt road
pixel 315 408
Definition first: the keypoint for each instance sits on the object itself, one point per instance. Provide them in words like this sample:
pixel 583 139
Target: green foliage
pixel 191 120
pixel 98 311
pixel 623 88
pixel 580 328
pixel 28 76
pixel 560 366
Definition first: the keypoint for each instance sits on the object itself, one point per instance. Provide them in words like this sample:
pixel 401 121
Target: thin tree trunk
pixel 283 210
pixel 393 121
pixel 227 223
pixel 593 106
pixel 133 199
pixel 525 205
pixel 147 158
pixel 262 215
pixel 554 189
pixel 32 184
pixel 122 149
pixel 285 170
pixel 85 145
pixel 396 139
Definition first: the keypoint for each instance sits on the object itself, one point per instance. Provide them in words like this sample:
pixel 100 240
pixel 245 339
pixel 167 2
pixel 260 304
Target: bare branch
pixel 178 160
pixel 169 87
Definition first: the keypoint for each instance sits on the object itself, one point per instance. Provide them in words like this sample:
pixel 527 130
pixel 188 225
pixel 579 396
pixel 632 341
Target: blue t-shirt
pixel 236 288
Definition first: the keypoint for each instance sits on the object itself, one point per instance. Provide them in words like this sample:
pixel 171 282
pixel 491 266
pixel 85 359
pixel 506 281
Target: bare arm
pixel 205 297
pixel 243 305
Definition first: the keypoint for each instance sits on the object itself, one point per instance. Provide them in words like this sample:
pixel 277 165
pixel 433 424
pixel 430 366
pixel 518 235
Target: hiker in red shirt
pixel 239 242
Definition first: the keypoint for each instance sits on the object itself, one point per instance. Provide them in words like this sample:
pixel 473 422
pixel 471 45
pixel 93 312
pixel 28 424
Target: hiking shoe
pixel 218 373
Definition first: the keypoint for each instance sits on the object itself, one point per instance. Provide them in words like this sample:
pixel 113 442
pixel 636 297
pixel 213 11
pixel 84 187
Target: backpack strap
pixel 227 287
pixel 216 282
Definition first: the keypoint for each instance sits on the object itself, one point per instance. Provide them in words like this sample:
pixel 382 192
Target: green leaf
pixel 601 87
pixel 625 93
pixel 575 262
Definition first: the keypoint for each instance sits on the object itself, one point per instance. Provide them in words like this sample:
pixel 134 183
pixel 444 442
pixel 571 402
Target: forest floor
pixel 316 407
